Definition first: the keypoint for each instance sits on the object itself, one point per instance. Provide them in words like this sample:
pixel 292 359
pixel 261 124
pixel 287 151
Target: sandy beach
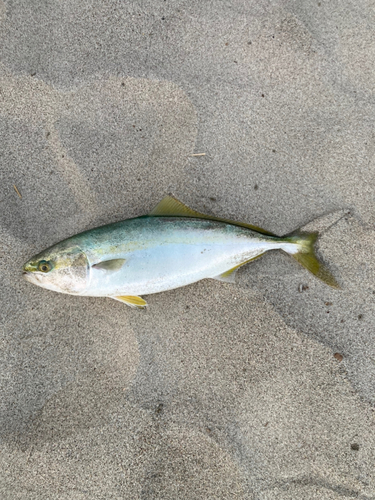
pixel 259 390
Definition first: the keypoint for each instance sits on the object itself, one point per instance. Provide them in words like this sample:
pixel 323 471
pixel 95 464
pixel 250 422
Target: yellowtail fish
pixel 171 247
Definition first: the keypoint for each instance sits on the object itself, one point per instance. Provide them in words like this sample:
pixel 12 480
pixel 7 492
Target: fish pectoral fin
pixel 110 265
pixel 172 207
pixel 132 301
pixel 230 275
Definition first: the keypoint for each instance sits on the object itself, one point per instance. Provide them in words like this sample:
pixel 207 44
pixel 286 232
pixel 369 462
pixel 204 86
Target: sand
pixel 260 390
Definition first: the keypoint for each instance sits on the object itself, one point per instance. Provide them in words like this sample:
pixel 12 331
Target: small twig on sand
pixel 16 190
pixel 199 154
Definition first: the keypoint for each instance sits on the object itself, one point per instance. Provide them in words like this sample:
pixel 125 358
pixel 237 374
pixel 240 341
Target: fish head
pixel 62 268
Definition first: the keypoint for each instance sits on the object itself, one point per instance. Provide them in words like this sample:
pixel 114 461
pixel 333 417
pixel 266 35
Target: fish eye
pixel 44 266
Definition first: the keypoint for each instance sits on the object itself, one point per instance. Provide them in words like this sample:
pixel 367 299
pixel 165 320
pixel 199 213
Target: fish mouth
pixel 29 276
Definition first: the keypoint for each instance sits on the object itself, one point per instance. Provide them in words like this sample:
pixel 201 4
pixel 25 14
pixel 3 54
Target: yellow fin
pixel 230 275
pixel 132 301
pixel 307 258
pixel 172 207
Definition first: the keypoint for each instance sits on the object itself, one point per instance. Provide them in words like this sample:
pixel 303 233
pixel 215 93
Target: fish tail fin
pixel 307 257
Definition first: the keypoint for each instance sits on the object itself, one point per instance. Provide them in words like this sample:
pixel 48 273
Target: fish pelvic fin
pixel 307 257
pixel 132 301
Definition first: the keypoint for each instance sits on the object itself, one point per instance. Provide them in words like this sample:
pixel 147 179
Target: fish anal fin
pixel 172 207
pixel 110 265
pixel 132 301
pixel 230 275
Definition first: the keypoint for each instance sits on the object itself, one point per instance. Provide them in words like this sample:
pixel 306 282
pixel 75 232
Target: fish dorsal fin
pixel 172 207
pixel 230 275
pixel 132 301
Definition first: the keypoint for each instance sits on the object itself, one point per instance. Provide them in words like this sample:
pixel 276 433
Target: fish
pixel 171 247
